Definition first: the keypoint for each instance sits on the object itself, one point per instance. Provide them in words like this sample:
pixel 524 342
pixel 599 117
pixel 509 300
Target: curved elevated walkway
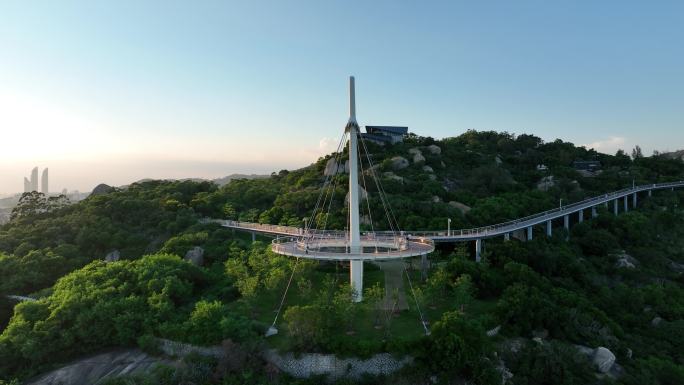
pixel 479 233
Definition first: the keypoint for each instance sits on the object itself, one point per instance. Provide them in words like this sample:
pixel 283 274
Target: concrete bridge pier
pixel 529 233
pixel 581 216
pixel 615 206
pixel 478 250
pixel 253 236
pixel 626 208
pixel 548 228
pixel 650 193
pixel 634 200
pixel 507 237
pixel 566 222
pixel 594 214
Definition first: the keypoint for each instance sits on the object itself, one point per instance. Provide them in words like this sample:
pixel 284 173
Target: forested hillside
pixel 566 293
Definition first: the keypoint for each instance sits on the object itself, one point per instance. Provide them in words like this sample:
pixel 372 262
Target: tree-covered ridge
pixel 496 174
pixel 573 291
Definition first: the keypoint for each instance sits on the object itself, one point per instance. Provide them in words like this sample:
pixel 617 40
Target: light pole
pixel 448 227
pixel 560 204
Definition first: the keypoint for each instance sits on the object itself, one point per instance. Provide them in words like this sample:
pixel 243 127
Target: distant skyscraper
pixel 27 185
pixel 34 179
pixel 44 182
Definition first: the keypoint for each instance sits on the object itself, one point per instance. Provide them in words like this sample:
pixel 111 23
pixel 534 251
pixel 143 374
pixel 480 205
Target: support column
pixel 566 222
pixel 548 228
pixel 529 233
pixel 507 237
pixel 634 200
pixel 650 193
pixel 594 214
pixel 615 206
pixel 253 237
pixel 356 278
pixel 626 208
pixel 478 250
pixel 581 216
pixel 423 267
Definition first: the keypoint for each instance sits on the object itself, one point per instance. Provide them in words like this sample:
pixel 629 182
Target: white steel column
pixel 566 222
pixel 626 208
pixel 650 193
pixel 615 206
pixel 478 250
pixel 634 200
pixel 594 214
pixel 355 266
pixel 529 233
pixel 507 237
pixel 548 228
pixel 581 216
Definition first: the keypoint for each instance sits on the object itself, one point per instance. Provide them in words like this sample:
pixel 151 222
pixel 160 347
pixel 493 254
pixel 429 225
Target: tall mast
pixel 353 130
pixel 355 266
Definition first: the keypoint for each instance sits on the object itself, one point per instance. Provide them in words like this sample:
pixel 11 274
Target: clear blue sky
pixel 113 91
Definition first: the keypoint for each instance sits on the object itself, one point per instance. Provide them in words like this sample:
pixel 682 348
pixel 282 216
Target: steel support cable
pixel 328 177
pixel 420 312
pixel 332 196
pixel 326 182
pixel 394 226
pixel 378 186
pixel 273 330
pixel 370 215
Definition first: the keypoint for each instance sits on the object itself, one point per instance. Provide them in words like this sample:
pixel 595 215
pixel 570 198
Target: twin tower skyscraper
pixel 32 185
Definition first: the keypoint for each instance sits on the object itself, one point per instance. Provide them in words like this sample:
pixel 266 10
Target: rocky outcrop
pixel 333 167
pixel 399 163
pixel 625 260
pixel 101 367
pixel 461 206
pixel 436 199
pixel 101 189
pixel 427 168
pixel 113 256
pixel 656 321
pixel 417 158
pixel 434 149
pixel 546 183
pixel 603 359
pixel 195 256
pixel 363 194
pixel 393 176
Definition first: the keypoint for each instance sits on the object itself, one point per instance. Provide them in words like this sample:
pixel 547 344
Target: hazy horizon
pixel 111 93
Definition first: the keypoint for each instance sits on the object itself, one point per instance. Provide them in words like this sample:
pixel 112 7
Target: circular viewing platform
pixel 335 247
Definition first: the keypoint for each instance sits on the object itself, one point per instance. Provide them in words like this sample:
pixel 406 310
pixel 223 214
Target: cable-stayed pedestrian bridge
pixel 617 201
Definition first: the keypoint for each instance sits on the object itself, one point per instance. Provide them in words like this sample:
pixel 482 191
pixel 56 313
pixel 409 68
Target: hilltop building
pixel 586 165
pixel 385 134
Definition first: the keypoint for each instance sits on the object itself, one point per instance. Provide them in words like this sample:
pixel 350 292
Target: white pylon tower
pixel 334 245
pixel 355 265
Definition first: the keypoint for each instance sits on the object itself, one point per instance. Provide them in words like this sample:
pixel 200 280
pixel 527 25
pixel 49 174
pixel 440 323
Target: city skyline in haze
pixel 116 92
